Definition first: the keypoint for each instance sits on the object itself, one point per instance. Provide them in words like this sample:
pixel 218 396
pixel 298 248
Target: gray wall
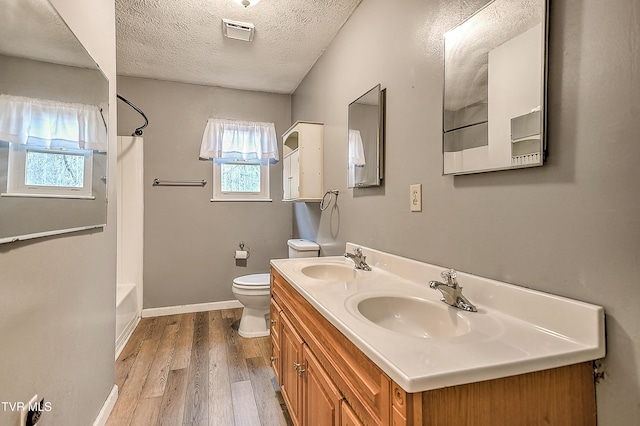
pixel 57 309
pixel 189 241
pixel 570 228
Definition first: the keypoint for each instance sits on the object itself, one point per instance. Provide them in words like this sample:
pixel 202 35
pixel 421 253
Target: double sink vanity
pixel 351 346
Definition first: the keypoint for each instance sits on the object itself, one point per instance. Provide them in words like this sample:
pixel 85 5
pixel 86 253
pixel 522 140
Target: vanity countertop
pixel 515 331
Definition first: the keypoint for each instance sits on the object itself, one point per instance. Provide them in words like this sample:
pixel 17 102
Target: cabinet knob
pixel 273 321
pixel 298 368
pixel 273 358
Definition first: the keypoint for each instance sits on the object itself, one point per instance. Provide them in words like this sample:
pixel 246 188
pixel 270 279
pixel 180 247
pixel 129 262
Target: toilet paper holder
pixel 241 254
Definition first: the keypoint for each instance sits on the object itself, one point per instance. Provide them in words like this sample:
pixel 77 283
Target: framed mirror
pixel 366 139
pixel 53 126
pixel 495 66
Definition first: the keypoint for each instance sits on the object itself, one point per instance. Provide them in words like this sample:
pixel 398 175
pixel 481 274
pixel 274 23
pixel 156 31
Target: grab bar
pixel 158 182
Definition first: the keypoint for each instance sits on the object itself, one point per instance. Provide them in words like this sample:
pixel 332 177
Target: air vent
pixel 237 30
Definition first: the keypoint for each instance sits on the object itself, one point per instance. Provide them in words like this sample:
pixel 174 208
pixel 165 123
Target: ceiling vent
pixel 237 30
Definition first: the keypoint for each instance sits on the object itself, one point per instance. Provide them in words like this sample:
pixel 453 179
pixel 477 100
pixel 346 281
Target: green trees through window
pixel 238 177
pixel 54 169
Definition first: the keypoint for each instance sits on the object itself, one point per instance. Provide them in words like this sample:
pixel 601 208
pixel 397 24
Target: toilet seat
pixel 253 282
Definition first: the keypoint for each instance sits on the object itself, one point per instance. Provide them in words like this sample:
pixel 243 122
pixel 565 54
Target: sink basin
pixel 413 316
pixel 329 272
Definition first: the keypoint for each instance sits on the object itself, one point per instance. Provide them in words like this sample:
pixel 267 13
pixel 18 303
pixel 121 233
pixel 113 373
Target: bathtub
pixel 127 315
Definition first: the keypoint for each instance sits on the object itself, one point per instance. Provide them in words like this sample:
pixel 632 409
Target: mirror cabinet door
pixel 366 139
pixel 51 182
pixel 495 88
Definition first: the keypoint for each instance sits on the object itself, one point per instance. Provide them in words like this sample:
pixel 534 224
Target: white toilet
pixel 254 292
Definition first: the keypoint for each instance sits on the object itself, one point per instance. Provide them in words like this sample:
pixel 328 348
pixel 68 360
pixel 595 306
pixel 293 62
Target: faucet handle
pixel 450 277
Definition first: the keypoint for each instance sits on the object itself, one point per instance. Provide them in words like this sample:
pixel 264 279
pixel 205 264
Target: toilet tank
pixel 303 248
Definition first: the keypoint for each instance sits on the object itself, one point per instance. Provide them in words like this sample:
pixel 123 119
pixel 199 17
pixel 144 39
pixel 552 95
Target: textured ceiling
pixel 33 29
pixel 181 40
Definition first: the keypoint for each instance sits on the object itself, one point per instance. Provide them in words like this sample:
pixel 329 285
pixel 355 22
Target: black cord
pixel 138 131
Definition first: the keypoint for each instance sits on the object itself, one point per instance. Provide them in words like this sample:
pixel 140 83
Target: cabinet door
pixel 286 178
pixel 275 327
pixel 348 416
pixel 294 181
pixel 321 398
pixel 290 379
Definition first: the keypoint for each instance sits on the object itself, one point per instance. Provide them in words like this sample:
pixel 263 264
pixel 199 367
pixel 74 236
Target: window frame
pixel 16 175
pixel 219 195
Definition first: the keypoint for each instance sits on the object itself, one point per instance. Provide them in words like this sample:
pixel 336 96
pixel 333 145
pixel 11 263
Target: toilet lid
pixel 253 281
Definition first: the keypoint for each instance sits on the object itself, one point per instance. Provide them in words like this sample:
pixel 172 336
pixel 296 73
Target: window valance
pixel 52 124
pixel 231 140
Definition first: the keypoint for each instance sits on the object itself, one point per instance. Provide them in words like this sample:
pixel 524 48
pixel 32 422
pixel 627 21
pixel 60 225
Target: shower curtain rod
pixel 138 131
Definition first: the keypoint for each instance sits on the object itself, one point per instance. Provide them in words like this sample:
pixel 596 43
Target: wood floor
pixel 195 370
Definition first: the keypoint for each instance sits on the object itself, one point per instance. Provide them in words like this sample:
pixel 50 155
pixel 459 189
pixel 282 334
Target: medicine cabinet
pixel 495 88
pixel 303 162
pixel 366 139
pixel 42 63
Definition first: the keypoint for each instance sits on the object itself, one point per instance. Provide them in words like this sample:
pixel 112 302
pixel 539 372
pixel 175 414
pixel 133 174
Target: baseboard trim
pixel 121 342
pixel 108 405
pixel 187 309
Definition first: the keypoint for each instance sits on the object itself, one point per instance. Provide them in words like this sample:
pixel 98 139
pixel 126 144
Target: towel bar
pixel 158 182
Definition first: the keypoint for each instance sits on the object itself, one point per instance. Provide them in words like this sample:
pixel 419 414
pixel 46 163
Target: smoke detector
pixel 237 30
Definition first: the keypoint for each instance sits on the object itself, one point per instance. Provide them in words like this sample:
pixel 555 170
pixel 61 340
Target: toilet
pixel 254 292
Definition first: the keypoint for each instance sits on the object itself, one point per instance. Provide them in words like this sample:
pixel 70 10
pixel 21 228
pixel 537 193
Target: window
pixel 51 146
pixel 42 172
pixel 240 181
pixel 241 152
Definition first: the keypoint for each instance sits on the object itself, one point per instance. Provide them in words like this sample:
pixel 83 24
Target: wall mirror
pixel 366 139
pixel 495 88
pixel 53 126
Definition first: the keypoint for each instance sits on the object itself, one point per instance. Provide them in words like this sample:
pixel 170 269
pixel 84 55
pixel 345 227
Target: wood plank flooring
pixel 195 370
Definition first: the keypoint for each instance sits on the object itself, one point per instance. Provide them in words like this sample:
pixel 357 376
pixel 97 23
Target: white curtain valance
pixel 52 124
pixel 229 140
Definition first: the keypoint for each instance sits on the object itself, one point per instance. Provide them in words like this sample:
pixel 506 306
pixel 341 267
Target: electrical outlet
pixel 25 410
pixel 416 197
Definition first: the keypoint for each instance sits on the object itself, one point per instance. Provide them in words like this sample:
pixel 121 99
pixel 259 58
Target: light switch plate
pixel 416 197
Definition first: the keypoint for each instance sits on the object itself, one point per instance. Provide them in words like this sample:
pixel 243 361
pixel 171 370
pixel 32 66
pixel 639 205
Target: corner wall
pixel 571 227
pixel 57 310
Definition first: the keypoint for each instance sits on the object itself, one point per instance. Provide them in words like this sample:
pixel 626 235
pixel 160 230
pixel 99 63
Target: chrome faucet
pixel 358 259
pixel 452 292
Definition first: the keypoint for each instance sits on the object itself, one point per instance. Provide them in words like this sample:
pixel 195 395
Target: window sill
pixel 48 233
pixel 218 200
pixel 28 195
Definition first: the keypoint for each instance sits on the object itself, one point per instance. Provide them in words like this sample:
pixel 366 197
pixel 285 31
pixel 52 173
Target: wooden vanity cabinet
pixel 326 380
pixel 309 393
pixel 322 374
